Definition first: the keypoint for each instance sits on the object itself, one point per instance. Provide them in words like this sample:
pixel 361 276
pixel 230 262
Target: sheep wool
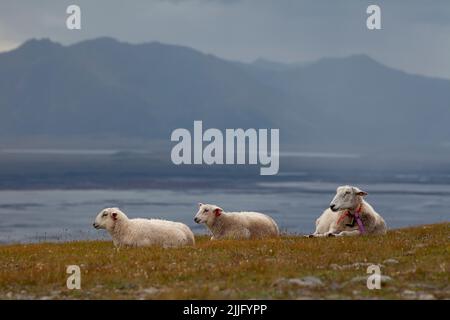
pixel 236 225
pixel 339 218
pixel 143 232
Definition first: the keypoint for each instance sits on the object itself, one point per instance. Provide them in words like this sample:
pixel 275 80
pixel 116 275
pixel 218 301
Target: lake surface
pixel 64 215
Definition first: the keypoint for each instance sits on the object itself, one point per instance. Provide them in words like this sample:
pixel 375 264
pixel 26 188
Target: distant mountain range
pixel 108 89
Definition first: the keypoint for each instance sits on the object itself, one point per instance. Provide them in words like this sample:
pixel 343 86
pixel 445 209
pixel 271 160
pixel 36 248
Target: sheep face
pixel 207 213
pixel 107 218
pixel 347 198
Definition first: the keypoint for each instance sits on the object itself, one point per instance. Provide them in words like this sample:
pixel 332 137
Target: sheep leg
pixel 316 235
pixel 349 233
pixel 332 233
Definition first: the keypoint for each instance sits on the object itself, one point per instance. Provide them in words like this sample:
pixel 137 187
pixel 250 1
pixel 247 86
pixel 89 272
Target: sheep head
pixel 207 213
pixel 347 198
pixel 108 217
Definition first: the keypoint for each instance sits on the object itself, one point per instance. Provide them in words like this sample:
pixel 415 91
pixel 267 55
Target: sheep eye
pixel 104 215
pixel 206 210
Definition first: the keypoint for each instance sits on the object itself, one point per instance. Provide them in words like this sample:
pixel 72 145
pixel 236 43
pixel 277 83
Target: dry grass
pixel 234 269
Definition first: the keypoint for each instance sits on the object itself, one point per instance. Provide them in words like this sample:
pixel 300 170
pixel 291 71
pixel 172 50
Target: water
pixel 65 215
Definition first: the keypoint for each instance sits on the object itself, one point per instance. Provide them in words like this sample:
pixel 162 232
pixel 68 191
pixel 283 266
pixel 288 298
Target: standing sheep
pixel 349 214
pixel 235 225
pixel 143 232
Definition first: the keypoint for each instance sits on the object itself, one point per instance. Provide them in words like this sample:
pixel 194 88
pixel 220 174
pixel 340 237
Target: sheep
pixel 349 214
pixel 127 232
pixel 235 225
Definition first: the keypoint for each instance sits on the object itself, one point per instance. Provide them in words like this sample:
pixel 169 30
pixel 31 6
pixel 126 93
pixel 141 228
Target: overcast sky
pixel 415 35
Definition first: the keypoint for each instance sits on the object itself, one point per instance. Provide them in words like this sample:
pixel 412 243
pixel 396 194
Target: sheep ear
pixel 200 204
pixel 359 192
pixel 114 215
pixel 218 211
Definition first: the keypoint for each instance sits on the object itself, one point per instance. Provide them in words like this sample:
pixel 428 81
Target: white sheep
pixel 349 214
pixel 143 232
pixel 235 225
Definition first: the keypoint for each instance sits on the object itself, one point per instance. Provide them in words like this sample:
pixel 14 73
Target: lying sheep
pixel 235 225
pixel 349 214
pixel 143 232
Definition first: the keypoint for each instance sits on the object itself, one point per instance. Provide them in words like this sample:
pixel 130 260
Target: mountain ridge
pixel 105 87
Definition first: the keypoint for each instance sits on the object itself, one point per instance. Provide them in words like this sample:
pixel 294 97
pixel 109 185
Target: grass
pixel 261 269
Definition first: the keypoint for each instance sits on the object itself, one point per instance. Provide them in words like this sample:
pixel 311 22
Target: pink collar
pixel 356 216
pixel 359 221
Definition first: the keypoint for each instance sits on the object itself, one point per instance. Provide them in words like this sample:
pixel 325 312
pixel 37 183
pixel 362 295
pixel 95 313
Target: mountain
pixel 107 89
pixel 266 64
pixel 362 102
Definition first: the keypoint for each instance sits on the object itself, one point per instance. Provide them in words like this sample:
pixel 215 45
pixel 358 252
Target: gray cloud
pixel 414 36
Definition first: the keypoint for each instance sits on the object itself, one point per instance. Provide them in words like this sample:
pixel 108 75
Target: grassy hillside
pixel 415 259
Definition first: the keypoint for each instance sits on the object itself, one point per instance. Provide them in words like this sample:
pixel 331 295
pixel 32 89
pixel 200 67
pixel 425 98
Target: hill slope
pixel 415 259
